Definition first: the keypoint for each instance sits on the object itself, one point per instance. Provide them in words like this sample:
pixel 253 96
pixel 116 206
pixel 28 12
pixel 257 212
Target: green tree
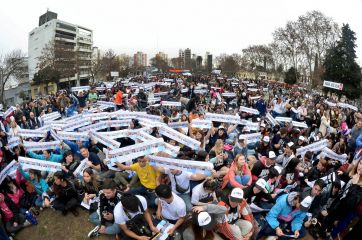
pixel 341 66
pixel 159 63
pixel 291 76
pixel 45 76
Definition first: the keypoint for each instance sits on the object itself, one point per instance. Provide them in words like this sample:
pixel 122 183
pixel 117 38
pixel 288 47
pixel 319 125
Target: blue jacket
pixel 261 106
pixel 53 157
pixel 40 186
pixel 359 141
pixel 283 211
pixel 75 147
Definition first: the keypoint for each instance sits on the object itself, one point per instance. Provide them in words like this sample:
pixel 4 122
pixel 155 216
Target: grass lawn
pixel 54 226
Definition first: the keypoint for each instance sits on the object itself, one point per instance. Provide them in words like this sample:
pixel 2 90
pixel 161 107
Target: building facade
pixel 61 35
pixel 140 59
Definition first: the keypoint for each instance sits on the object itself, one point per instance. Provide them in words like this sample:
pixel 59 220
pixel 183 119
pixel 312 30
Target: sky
pixel 128 26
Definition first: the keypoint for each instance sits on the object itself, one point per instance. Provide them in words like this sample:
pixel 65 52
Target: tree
pixel 59 60
pixel 45 76
pixel 228 64
pixel 159 63
pixel 258 55
pixel 291 76
pixel 109 63
pixel 11 65
pixel 341 66
pixel 125 64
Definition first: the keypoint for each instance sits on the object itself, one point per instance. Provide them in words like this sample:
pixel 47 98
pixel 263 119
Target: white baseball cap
pixel 306 203
pixel 237 195
pixel 272 155
pixel 266 139
pixel 301 138
pixel 261 184
pixel 205 220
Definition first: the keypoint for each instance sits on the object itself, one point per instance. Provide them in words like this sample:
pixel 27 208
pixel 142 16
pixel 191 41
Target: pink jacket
pixel 230 176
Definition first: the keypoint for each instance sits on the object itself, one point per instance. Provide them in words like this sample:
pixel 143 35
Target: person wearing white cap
pixel 261 167
pixel 263 147
pixel 239 214
pixel 288 154
pixel 301 142
pixel 286 218
pixel 206 218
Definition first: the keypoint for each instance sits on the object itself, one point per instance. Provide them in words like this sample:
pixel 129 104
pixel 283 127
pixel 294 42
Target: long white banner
pixel 201 123
pixel 39 164
pixel 104 140
pixel 314 147
pixel 249 110
pixel 252 137
pixel 8 169
pixel 222 118
pixel 40 146
pixel 28 133
pixel 178 164
pixel 329 153
pixel 179 137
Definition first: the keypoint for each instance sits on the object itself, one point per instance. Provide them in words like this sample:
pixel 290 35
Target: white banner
pixel 9 111
pixel 130 152
pixel 271 119
pixel 39 164
pixel 254 126
pixel 50 116
pixel 201 123
pixel 76 124
pixel 222 118
pixel 73 136
pixel 299 124
pixel 160 94
pixel 254 98
pixel 152 100
pixel 228 94
pixel 54 135
pixel 79 170
pixel 334 85
pixel 329 153
pixel 13 142
pixel 179 137
pixel 104 140
pixel 314 147
pixel 168 103
pixel 345 105
pixel 81 88
pixel 8 169
pixel 253 89
pixel 249 110
pixel 176 125
pixel 180 164
pixel 252 137
pixel 284 119
pixel 105 103
pixel 40 146
pixel 331 104
pixel 28 133
pixel 200 91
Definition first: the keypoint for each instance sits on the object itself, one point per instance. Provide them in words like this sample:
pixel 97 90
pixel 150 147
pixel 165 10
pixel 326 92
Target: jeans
pixel 187 199
pixel 39 201
pixel 149 195
pixel 267 230
pixel 242 180
pixel 111 228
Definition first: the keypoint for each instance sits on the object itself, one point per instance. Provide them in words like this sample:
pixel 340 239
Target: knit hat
pixel 291 197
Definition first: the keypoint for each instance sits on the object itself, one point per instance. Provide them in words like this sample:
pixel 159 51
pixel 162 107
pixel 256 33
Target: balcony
pixel 81 49
pixel 65 39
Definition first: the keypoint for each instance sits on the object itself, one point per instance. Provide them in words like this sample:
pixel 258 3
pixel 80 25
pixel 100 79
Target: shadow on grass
pixel 54 226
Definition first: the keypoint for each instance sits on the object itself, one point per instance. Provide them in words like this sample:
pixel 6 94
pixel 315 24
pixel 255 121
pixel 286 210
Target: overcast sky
pixel 128 26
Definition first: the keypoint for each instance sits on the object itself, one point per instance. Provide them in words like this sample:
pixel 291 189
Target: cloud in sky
pixel 128 26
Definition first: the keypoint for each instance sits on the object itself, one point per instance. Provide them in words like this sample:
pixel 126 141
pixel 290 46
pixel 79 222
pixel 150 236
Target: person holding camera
pixel 109 197
pixel 133 218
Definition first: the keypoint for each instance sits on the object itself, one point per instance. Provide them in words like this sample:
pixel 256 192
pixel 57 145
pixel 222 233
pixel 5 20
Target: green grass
pixel 54 226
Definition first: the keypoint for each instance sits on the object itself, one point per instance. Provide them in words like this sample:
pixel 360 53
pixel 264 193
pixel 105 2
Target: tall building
pixel 62 35
pixel 187 59
pixel 163 56
pixel 209 63
pixel 140 59
pixel 181 56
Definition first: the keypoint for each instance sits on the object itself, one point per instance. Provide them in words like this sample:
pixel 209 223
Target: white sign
pixel 334 85
pixel 114 74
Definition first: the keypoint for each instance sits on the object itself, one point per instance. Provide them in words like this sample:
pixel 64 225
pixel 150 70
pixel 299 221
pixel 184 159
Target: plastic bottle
pixel 30 217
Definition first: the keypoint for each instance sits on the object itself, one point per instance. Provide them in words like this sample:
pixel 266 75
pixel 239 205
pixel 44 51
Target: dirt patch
pixel 54 226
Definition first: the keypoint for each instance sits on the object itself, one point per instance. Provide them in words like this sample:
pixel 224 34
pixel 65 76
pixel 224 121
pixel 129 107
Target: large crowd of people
pixel 269 177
